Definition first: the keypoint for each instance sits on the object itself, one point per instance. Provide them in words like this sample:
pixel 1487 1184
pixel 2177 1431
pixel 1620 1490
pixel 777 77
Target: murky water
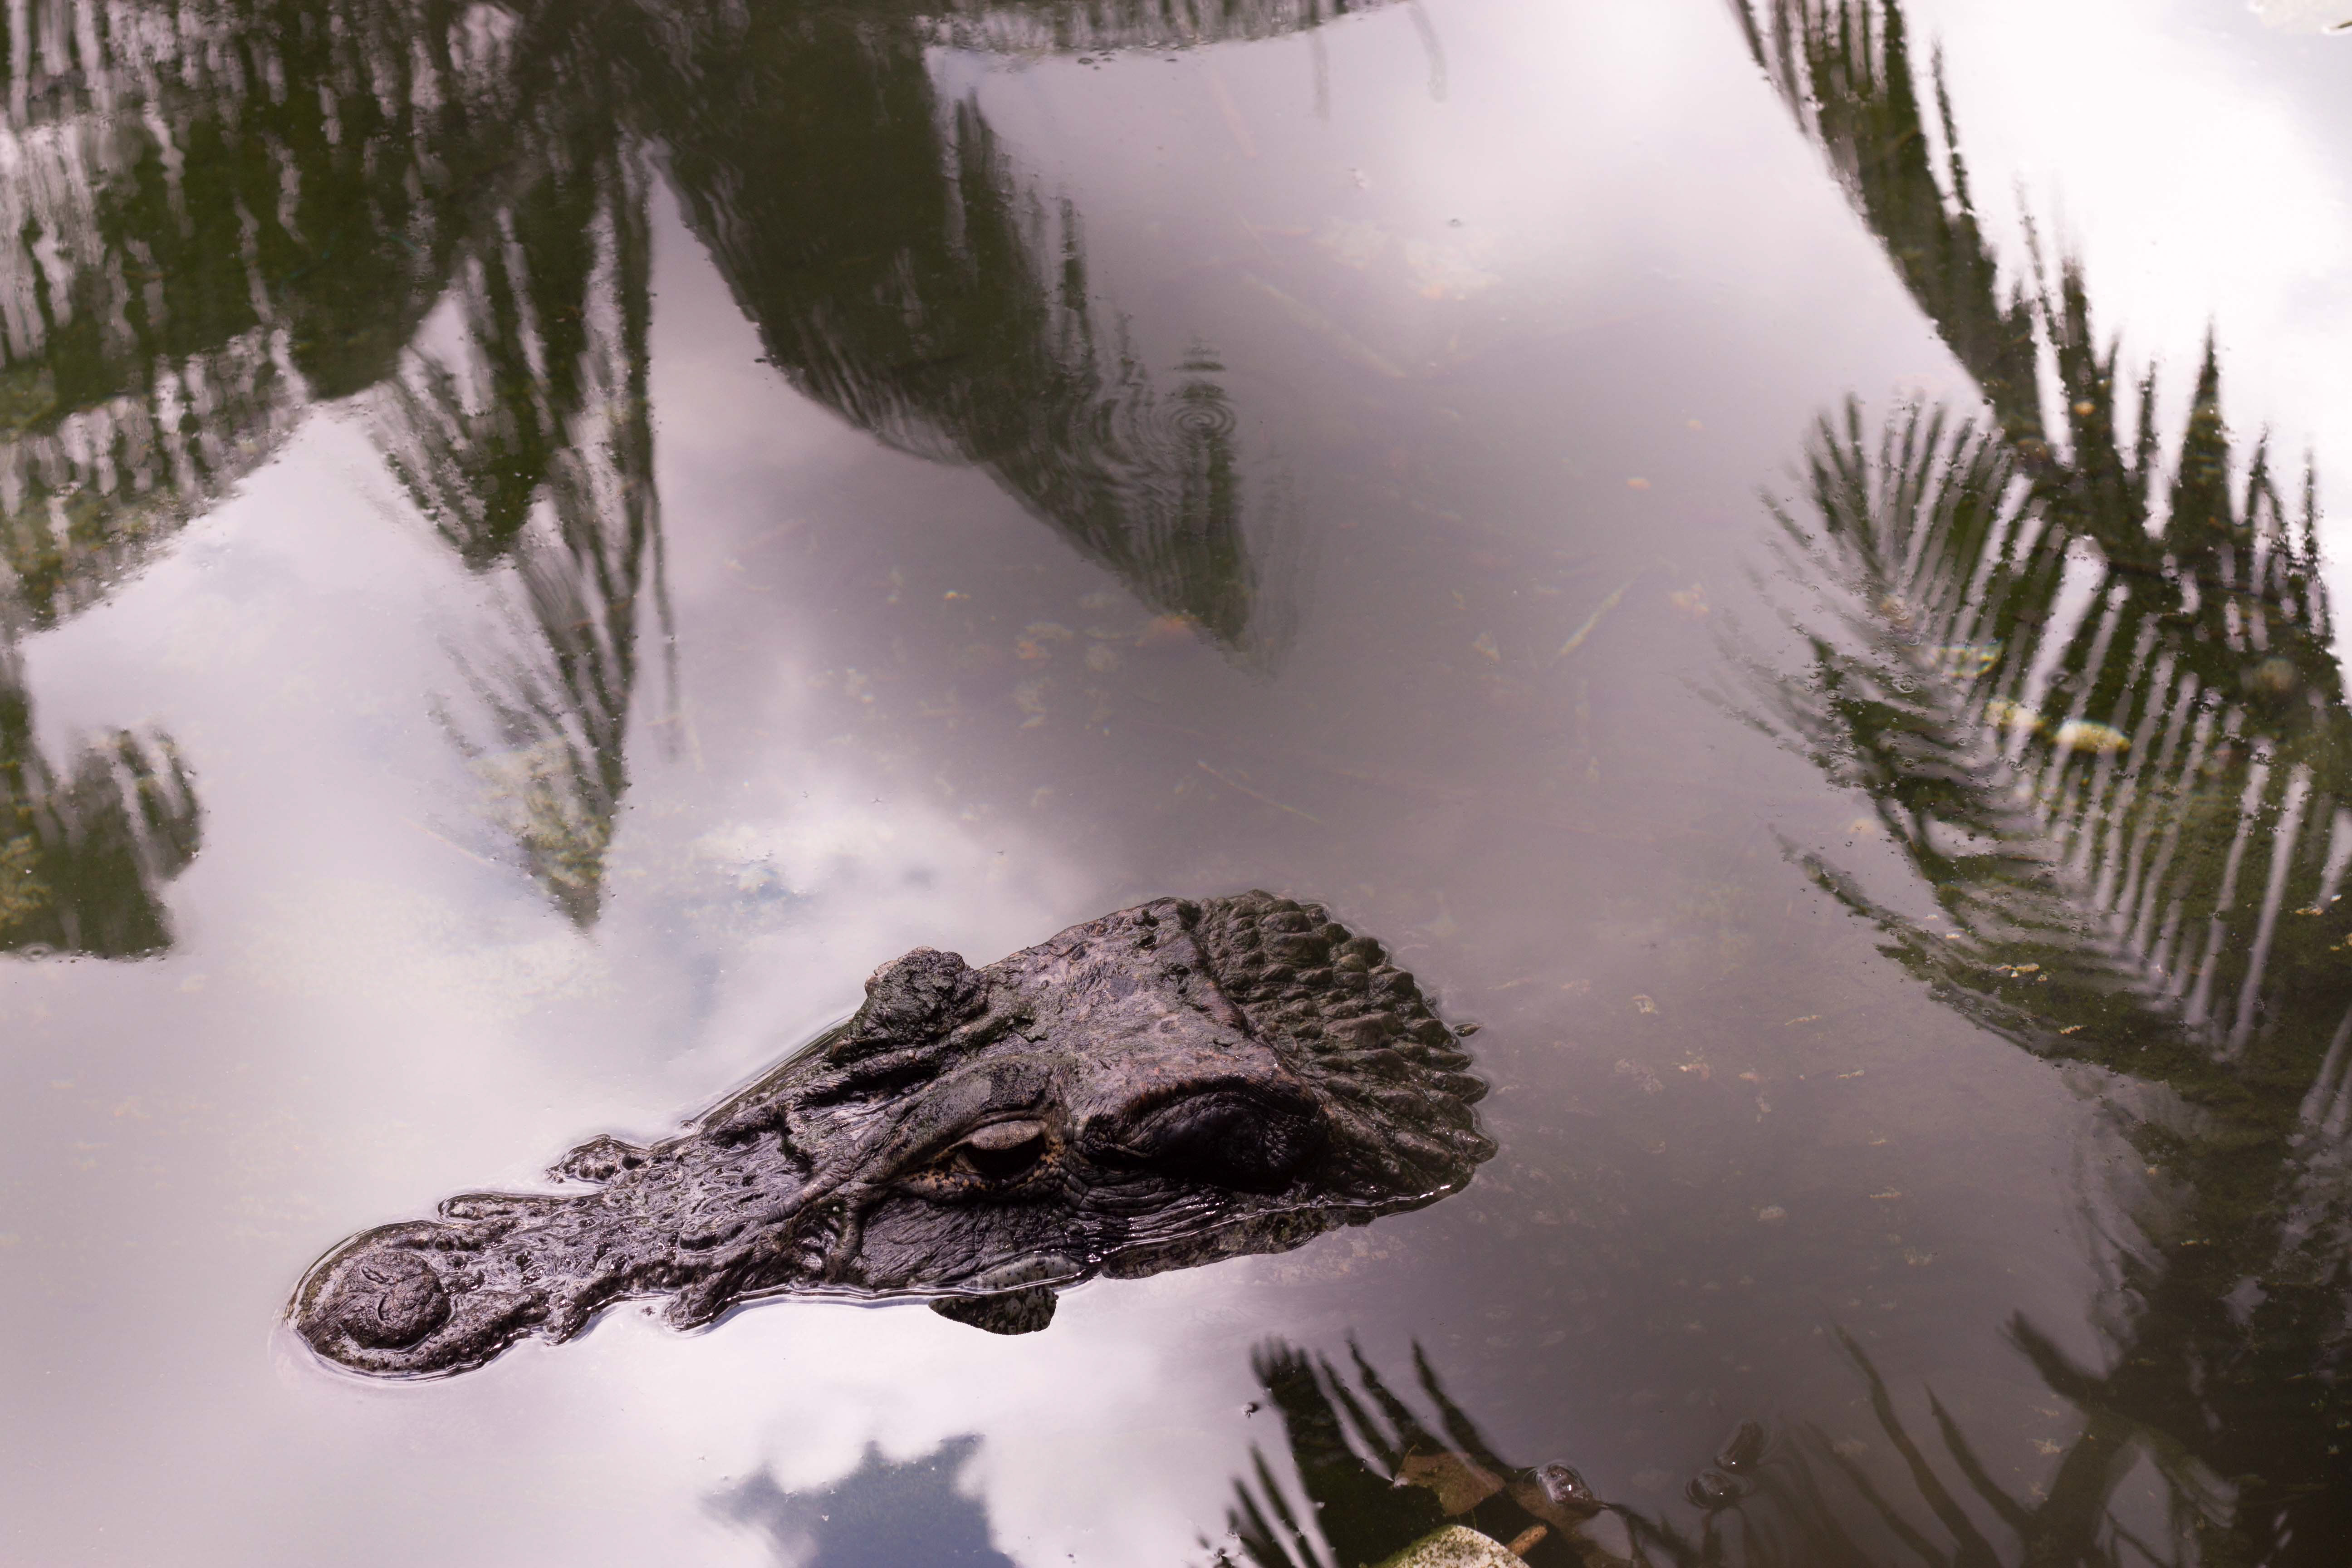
pixel 546 541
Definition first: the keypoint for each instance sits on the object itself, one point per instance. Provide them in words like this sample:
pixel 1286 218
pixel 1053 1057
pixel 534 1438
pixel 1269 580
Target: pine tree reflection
pixel 2097 709
pixel 221 214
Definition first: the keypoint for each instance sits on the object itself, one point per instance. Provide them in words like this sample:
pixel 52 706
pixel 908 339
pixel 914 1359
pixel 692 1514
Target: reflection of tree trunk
pixel 2101 715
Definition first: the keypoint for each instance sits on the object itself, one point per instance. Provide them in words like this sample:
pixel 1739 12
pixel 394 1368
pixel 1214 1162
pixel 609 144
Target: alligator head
pixel 1161 1087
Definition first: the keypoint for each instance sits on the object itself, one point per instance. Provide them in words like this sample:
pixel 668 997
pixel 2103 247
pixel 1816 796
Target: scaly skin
pixel 1159 1087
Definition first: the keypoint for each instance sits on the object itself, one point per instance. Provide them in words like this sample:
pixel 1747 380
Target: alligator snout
pixel 385 1300
pixel 417 1299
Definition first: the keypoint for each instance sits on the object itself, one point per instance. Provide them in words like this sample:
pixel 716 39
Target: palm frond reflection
pixel 2084 675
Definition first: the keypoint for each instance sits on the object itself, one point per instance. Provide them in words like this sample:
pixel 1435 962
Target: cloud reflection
pixel 885 1513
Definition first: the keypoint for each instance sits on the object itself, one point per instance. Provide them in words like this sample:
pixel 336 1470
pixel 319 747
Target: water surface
pixel 544 542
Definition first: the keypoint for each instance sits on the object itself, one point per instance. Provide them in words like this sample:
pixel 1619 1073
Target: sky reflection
pixel 602 612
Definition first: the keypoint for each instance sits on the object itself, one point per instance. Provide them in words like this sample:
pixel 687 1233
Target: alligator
pixel 1160 1087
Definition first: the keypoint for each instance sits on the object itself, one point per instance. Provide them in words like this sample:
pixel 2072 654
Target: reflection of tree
pixel 1082 24
pixel 938 306
pixel 2096 709
pixel 216 212
pixel 1808 1502
pixel 1844 70
pixel 1378 1476
pixel 217 215
pixel 84 853
pixel 533 450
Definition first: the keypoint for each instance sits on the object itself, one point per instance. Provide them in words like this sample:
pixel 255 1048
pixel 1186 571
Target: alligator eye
pixel 1001 1151
pixel 1010 1158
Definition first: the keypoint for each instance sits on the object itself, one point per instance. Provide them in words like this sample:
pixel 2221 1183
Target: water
pixel 547 541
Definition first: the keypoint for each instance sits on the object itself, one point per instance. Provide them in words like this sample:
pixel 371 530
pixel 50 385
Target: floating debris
pixel 1236 124
pixel 1164 634
pixel 1771 1213
pixel 2100 740
pixel 1616 596
pixel 1446 271
pixel 1641 1075
pixel 1352 242
pixel 1455 1546
pixel 1967 660
pixel 1315 322
pixel 2003 715
pixel 2274 676
pixel 1038 639
pixel 1257 795
pixel 1459 1483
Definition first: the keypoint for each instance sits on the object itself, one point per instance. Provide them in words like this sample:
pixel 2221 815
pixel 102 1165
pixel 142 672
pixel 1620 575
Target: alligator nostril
pixel 390 1301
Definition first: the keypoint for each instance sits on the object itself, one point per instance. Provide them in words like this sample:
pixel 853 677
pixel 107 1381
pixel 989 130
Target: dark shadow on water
pixel 885 1513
